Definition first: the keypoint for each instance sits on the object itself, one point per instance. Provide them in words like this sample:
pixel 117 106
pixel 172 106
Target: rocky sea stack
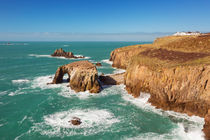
pixel 61 53
pixel 175 70
pixel 82 75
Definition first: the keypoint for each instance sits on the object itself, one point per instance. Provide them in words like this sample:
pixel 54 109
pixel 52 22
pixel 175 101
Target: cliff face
pixel 182 89
pixel 121 56
pixel 83 76
pixel 175 70
pixel 206 127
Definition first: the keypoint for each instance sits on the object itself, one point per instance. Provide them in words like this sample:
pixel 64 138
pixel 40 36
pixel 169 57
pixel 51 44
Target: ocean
pixel 30 109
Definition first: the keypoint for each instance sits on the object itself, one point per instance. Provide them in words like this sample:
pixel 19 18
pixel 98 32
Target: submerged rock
pixel 61 53
pixel 82 75
pixel 98 64
pixel 75 121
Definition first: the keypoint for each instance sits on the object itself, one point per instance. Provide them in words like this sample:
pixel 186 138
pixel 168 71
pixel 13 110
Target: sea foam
pixel 49 56
pixel 190 130
pixel 107 61
pixel 93 122
pixel 20 81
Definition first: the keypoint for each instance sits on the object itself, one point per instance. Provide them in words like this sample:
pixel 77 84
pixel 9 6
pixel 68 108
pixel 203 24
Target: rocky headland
pixel 175 70
pixel 61 53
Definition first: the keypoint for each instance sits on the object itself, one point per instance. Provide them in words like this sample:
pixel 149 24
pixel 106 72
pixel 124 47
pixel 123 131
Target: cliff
pixel 83 76
pixel 175 70
pixel 61 53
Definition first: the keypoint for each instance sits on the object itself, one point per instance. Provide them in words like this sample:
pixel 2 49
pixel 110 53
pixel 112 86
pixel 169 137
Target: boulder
pixel 82 75
pixel 75 121
pixel 61 53
pixel 98 64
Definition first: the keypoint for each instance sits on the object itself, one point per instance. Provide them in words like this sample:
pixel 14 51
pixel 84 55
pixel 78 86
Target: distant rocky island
pixel 174 70
pixel 61 53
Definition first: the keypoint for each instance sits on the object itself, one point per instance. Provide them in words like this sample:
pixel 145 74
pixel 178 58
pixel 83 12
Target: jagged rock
pixel 61 53
pixel 98 64
pixel 75 121
pixel 82 75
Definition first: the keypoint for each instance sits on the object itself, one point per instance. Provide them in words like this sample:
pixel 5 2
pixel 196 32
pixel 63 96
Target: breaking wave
pixel 20 81
pixel 189 130
pixel 107 61
pixel 49 56
pixel 93 122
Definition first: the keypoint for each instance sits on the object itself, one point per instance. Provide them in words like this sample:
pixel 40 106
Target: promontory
pixel 174 70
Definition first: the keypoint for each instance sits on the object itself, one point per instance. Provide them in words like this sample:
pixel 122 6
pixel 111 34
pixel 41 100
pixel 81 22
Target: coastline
pixel 173 70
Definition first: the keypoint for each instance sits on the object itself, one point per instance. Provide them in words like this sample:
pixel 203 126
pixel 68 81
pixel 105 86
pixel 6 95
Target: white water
pixel 194 129
pixel 93 122
pixel 57 124
pixel 49 56
pixel 117 71
pixel 18 91
pixel 20 81
pixel 107 61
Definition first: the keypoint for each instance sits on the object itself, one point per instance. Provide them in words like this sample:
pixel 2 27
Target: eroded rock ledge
pixel 61 53
pixel 112 79
pixel 82 75
pixel 175 70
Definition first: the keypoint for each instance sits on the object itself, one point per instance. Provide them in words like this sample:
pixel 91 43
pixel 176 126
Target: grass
pixel 171 51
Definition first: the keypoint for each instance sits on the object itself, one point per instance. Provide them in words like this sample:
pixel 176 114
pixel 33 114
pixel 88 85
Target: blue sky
pixel 109 19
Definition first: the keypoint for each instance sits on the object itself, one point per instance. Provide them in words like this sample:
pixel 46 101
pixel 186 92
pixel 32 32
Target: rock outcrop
pixel 98 64
pixel 61 53
pixel 175 70
pixel 83 76
pixel 75 121
pixel 183 89
pixel 206 127
pixel 112 79
pixel 121 56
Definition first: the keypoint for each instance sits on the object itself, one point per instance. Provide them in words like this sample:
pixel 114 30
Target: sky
pixel 100 20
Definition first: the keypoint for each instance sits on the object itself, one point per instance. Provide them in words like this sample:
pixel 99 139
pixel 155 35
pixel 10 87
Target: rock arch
pixel 83 76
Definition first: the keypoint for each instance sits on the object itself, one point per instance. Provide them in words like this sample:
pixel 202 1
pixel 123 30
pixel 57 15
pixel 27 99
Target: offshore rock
pixel 98 64
pixel 75 121
pixel 61 53
pixel 82 75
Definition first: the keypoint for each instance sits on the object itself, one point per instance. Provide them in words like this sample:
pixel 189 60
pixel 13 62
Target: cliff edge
pixel 175 70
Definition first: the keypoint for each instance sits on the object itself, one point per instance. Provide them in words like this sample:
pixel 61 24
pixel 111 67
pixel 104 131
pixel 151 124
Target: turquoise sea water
pixel 30 109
